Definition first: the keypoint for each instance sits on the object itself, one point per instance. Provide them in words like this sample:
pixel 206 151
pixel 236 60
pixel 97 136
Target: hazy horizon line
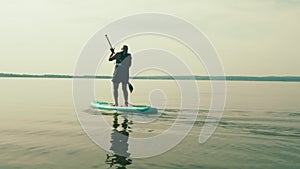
pixel 160 77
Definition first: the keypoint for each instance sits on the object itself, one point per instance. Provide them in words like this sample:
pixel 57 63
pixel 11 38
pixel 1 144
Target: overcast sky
pixel 252 37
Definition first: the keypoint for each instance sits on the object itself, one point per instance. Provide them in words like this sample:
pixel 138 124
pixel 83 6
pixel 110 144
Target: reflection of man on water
pixel 121 72
pixel 119 145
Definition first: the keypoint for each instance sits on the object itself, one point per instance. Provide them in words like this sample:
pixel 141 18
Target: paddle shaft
pixel 108 41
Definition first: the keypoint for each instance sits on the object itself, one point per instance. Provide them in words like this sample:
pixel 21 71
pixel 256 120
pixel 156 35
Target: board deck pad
pixel 134 108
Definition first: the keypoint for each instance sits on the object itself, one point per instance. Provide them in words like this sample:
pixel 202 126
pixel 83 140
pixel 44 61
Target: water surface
pixel 259 129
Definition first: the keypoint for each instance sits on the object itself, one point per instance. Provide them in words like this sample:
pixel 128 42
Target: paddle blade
pixel 130 87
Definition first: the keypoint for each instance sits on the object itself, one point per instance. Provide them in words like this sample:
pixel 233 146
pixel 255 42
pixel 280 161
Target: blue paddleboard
pixel 134 108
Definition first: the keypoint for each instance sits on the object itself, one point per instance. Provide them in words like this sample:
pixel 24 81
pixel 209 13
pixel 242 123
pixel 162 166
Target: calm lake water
pixel 39 128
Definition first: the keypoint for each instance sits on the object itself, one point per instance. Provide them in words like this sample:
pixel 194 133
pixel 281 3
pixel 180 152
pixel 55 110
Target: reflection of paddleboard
pixel 134 108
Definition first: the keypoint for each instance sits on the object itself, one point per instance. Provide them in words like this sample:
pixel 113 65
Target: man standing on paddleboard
pixel 121 72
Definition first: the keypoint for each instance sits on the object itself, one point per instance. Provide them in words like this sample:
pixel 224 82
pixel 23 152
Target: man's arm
pixel 112 57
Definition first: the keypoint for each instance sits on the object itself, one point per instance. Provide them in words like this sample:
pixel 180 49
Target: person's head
pixel 125 48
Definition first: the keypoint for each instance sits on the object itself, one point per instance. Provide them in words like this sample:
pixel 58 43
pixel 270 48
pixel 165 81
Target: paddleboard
pixel 135 108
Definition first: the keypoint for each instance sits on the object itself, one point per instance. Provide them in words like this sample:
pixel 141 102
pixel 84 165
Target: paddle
pixel 129 84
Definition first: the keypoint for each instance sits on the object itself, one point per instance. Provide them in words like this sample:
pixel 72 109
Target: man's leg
pixel 116 86
pixel 125 92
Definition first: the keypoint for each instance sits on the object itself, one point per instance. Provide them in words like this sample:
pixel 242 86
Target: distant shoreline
pixel 227 78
